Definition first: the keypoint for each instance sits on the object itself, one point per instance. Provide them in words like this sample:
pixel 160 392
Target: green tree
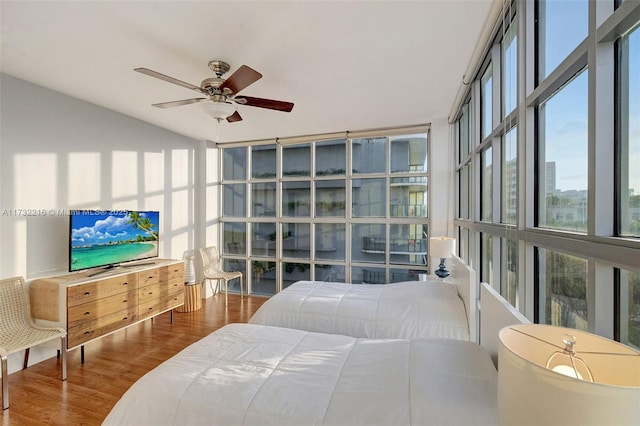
pixel 142 223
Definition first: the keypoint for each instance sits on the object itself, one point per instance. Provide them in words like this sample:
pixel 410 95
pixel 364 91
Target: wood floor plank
pixel 112 364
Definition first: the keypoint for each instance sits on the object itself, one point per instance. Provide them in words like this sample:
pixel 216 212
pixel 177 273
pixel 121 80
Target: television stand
pixel 89 308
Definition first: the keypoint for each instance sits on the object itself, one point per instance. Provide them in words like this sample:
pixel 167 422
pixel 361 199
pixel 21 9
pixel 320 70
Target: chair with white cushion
pixel 18 332
pixel 212 270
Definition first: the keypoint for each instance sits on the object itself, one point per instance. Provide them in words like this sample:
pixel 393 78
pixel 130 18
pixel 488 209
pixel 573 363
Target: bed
pixel 407 310
pixel 248 374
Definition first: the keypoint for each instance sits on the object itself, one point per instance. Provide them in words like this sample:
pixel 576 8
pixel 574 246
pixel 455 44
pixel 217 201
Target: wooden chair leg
pixel 5 384
pixel 63 351
pixel 26 359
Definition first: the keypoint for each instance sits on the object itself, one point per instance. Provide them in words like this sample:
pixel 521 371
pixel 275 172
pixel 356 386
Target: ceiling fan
pixel 221 94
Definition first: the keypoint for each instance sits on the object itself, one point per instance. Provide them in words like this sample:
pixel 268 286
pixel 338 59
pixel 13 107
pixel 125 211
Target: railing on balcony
pixel 396 246
pixel 408 210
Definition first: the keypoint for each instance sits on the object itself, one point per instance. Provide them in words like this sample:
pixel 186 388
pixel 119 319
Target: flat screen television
pixel 108 238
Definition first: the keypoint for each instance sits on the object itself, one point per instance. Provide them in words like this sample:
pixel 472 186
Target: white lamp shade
pixel 218 110
pixel 442 247
pixel 531 394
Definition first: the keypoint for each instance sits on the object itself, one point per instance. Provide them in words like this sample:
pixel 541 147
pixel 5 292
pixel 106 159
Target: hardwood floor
pixel 37 396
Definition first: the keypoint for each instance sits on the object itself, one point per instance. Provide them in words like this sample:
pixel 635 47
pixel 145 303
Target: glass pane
pixel 263 161
pixel 331 157
pixel 369 155
pixel 408 244
pixel 292 272
pixel 330 198
pixel 629 152
pixel 330 241
pixel 232 265
pixel 630 308
pixel 263 199
pixel 464 133
pixel 562 25
pixel 263 278
pixel 563 166
pixel 234 163
pixel 234 200
pixel 296 160
pixel 563 287
pixel 509 271
pixel 234 238
pixel 296 199
pixel 264 239
pixel 510 69
pixel 369 243
pixel 296 240
pixel 486 267
pixel 465 193
pixel 486 188
pixel 509 201
pixel 409 153
pixel 369 197
pixel 400 275
pixel 408 196
pixel 486 97
pixel 360 275
pixel 330 273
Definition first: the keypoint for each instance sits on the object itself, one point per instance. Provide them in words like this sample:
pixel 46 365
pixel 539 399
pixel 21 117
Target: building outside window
pixel 305 200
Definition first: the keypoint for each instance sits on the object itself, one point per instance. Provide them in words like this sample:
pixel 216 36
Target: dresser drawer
pixel 77 295
pixel 171 272
pixel 174 285
pixel 101 326
pixel 148 293
pixel 92 310
pixel 150 276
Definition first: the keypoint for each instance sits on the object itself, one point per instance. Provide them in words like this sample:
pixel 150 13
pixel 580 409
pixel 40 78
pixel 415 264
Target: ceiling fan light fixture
pixel 218 110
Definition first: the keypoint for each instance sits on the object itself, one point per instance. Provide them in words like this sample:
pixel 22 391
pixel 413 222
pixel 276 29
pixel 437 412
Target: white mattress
pixel 400 310
pixel 245 374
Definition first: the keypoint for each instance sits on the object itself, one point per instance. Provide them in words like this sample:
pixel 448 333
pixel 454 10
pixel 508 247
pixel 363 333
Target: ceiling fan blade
pixel 266 103
pixel 179 103
pixel 243 77
pixel 156 74
pixel 234 117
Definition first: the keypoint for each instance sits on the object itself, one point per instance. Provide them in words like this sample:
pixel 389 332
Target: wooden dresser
pixel 92 307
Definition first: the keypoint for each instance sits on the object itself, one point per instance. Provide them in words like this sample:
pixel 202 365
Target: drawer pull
pixel 87 313
pixel 150 309
pixel 125 283
pixel 86 293
pixel 125 301
pixel 87 333
pixel 125 318
pixel 150 292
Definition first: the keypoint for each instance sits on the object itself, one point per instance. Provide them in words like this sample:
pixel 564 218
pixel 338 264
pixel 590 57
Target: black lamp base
pixel 442 272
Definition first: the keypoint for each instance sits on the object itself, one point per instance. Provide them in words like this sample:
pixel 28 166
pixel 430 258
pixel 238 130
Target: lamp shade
pixel 530 393
pixel 442 247
pixel 218 110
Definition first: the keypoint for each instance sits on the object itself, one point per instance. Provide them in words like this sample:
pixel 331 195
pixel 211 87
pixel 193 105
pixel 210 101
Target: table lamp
pixel 442 248
pixel 550 375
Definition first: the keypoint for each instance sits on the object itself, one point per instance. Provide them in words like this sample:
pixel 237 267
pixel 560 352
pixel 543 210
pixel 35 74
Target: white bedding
pixel 400 310
pixel 245 374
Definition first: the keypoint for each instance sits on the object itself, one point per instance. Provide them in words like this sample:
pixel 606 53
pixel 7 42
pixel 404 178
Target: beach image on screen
pixel 112 237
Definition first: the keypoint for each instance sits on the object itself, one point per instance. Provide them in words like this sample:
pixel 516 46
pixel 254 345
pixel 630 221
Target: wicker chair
pixel 212 270
pixel 18 331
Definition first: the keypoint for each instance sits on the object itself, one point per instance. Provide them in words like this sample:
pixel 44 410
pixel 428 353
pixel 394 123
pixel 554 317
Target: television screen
pixel 106 238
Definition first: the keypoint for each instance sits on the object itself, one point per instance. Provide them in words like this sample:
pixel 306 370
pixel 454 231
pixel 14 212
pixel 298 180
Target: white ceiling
pixel 347 65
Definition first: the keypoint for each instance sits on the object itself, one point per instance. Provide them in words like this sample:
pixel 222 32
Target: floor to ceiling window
pixel 351 208
pixel 559 141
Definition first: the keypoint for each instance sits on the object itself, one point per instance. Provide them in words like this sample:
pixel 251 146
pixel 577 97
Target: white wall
pixel 59 153
pixel 440 185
